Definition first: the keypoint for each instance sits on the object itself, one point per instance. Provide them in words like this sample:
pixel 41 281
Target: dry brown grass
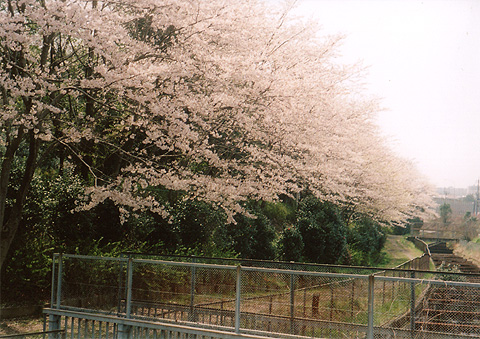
pixel 468 250
pixel 23 325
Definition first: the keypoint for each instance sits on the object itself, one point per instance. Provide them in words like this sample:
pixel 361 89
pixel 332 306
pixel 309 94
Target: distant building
pixel 452 192
pixel 473 190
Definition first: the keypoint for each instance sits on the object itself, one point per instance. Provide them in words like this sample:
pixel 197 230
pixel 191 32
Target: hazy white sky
pixel 424 62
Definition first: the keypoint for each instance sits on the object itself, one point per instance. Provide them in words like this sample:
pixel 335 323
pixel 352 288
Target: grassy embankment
pixel 399 250
pixel 469 250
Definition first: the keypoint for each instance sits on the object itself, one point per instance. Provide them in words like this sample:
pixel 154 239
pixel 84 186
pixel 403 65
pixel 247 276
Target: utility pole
pixel 477 200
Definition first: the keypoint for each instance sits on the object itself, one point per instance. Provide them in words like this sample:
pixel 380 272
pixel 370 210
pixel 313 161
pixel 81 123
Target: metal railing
pixel 129 297
pixel 421 245
pixel 31 335
pixel 300 266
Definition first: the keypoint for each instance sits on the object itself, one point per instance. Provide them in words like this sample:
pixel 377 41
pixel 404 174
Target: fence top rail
pixel 239 261
pixel 429 281
pixel 181 263
pixel 146 261
pixel 214 266
pixel 310 273
pixel 88 257
pixel 273 262
pixel 289 271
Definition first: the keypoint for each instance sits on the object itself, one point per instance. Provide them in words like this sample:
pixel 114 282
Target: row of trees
pixel 218 102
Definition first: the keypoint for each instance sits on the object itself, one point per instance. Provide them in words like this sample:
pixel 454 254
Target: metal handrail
pixel 23 335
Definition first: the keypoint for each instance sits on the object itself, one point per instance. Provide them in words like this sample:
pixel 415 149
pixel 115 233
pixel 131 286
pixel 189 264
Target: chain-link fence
pixel 335 302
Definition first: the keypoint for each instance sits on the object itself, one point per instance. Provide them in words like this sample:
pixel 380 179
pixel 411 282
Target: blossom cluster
pixel 224 101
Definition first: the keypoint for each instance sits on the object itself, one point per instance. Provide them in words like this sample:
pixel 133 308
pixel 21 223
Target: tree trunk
pixel 9 226
pixel 12 146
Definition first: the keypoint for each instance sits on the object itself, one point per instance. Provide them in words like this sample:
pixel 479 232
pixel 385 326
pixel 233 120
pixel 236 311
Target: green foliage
pixel 290 245
pixel 366 239
pixel 446 269
pixel 406 228
pixel 46 211
pixel 322 229
pixel 195 221
pixel 401 230
pixel 143 30
pixel 16 174
pixel 156 232
pixel 313 232
pixel 27 276
pixel 280 214
pixel 250 238
pixel 51 225
pixel 445 212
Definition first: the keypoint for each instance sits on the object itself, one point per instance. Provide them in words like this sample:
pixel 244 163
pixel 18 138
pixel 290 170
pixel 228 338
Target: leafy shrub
pixel 195 221
pixel 446 269
pixel 290 245
pixel 280 214
pixel 366 240
pixel 250 238
pixel 323 231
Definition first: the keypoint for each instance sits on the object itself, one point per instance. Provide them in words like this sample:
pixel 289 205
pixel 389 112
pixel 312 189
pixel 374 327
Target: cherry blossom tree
pixel 224 101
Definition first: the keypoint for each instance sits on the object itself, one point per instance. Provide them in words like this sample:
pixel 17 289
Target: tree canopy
pixel 222 101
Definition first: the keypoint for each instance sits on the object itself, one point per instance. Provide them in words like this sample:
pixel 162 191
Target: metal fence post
pixel 128 305
pixel 292 303
pixel 52 295
pixel 237 299
pixel 412 305
pixel 54 320
pixel 59 280
pixel 352 299
pixel 121 289
pixel 124 330
pixel 371 292
pixel 191 316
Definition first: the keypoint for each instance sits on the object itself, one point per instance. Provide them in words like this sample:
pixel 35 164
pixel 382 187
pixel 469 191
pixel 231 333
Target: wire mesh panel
pixel 183 293
pixel 303 304
pixel 214 296
pixel 451 309
pixel 161 291
pixel 393 300
pixel 325 305
pixel 254 300
pixel 91 283
pixel 265 302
